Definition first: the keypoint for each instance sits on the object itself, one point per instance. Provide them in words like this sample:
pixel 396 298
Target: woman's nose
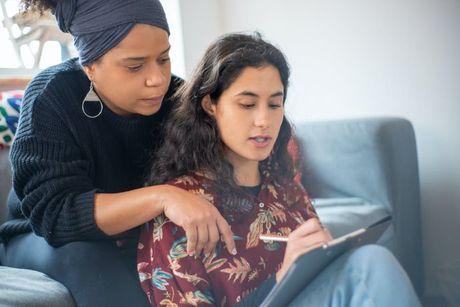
pixel 155 77
pixel 261 118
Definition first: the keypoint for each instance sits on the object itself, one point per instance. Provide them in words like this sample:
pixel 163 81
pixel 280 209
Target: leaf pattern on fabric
pixel 159 278
pixel 262 263
pixel 221 278
pixel 310 209
pixel 179 249
pixel 297 216
pixel 255 230
pixel 272 190
pixel 238 270
pixel 272 246
pixel 230 206
pixel 278 211
pixel 264 222
pixel 142 268
pixel 186 180
pixel 144 276
pixel 191 278
pixel 285 231
pixel 195 298
pixel 253 275
pixel 168 303
pixel 158 222
pixel 210 264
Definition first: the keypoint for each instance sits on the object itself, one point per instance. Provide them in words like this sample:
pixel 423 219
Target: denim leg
pixel 94 272
pixel 367 276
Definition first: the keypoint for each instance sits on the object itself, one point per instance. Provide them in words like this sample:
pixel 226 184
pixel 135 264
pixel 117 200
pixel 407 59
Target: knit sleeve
pixel 51 177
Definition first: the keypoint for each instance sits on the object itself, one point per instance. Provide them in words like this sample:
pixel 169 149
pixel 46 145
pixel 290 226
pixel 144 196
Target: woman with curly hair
pixel 227 141
pixel 86 131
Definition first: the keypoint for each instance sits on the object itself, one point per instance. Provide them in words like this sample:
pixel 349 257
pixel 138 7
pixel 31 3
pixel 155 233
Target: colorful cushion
pixel 10 103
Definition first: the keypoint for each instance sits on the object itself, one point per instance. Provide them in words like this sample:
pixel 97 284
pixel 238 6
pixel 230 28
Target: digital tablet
pixel 309 265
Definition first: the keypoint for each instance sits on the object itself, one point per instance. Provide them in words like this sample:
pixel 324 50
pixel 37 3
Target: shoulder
pixel 56 87
pixel 290 190
pixel 195 183
pixel 59 78
pixel 53 95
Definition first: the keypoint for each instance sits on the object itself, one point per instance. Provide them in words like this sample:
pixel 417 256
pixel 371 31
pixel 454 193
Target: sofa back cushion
pixel 10 103
pixel 5 182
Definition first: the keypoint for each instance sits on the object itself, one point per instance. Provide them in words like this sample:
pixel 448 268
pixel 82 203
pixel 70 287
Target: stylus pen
pixel 274 238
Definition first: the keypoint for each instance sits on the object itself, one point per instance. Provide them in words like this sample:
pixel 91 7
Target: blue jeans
pixel 94 272
pixel 367 276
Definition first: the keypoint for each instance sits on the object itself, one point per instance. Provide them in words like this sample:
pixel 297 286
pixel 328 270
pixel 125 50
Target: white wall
pixel 173 13
pixel 368 58
pixel 202 23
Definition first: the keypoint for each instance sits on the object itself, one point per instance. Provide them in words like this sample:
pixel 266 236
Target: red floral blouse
pixel 172 278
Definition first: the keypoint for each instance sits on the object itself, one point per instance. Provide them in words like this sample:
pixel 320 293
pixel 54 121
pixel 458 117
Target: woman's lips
pixel 153 100
pixel 260 141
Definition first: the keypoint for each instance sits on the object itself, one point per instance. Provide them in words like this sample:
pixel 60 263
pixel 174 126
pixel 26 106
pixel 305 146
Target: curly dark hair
pixel 192 142
pixel 38 5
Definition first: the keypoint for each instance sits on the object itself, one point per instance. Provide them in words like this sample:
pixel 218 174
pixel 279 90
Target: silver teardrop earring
pixel 91 96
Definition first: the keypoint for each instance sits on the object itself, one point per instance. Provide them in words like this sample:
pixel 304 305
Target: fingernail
pixel 190 253
pixel 234 251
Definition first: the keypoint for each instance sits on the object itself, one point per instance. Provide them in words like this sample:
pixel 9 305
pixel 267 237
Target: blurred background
pixel 349 59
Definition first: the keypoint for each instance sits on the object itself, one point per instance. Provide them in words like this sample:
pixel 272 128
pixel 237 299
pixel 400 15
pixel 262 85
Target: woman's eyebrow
pixel 252 94
pixel 277 94
pixel 166 50
pixel 142 58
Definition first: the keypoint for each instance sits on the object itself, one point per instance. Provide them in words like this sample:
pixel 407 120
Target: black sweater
pixel 61 158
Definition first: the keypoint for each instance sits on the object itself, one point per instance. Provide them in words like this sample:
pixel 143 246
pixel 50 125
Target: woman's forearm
pixel 119 212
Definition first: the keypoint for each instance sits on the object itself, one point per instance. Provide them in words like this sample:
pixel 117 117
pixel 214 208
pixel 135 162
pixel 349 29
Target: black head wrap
pixel 99 25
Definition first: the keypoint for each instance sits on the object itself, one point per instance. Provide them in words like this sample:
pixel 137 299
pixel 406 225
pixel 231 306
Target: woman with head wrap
pixel 87 129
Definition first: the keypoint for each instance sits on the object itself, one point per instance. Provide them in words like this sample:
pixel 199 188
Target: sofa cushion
pixel 5 182
pixel 344 215
pixel 9 114
pixel 19 287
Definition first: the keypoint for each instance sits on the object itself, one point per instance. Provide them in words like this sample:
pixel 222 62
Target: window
pixel 37 42
pixel 31 41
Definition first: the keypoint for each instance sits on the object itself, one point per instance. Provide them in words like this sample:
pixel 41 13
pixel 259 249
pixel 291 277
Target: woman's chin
pixel 258 156
pixel 148 111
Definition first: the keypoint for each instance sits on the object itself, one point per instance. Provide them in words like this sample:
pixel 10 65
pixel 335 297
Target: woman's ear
pixel 89 71
pixel 208 106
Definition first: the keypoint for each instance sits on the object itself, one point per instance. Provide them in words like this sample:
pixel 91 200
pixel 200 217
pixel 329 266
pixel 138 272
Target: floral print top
pixel 172 278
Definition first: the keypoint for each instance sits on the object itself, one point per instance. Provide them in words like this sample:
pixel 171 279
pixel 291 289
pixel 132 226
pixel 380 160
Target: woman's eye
pixel 164 60
pixel 134 68
pixel 247 105
pixel 275 105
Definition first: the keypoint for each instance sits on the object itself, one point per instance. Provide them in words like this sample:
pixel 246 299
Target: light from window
pixel 51 54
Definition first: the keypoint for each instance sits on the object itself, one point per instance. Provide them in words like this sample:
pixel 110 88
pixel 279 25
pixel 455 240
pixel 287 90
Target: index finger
pixel 192 236
pixel 309 227
pixel 227 234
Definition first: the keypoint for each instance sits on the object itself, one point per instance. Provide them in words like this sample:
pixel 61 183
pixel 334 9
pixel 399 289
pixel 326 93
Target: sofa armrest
pixel 374 159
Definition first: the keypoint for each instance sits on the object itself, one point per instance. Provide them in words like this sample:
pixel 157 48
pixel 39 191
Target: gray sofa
pixel 357 171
